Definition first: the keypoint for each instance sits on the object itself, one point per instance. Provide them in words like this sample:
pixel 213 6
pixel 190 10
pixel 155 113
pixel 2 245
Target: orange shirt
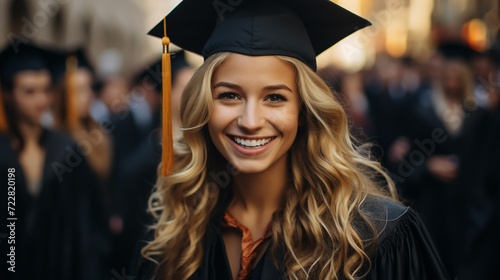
pixel 249 249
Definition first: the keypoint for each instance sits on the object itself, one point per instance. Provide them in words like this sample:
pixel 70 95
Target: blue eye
pixel 228 95
pixel 276 97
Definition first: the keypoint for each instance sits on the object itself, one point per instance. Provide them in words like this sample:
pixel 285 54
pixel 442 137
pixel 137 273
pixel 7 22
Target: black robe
pixel 404 250
pixel 59 232
pixel 455 212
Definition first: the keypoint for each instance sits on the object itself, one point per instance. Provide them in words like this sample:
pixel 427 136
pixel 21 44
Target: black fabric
pixel 455 212
pixel 404 251
pixel 259 27
pixel 153 73
pixel 59 233
pixel 58 62
pixel 17 57
pixel 137 177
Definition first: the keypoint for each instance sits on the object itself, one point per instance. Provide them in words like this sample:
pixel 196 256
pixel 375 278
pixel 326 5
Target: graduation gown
pixel 404 250
pixel 58 232
pixel 455 212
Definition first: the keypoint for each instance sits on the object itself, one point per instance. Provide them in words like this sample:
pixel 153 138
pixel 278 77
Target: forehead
pixel 254 70
pixel 31 77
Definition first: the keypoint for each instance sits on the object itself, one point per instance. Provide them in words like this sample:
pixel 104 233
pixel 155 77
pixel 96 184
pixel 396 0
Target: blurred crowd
pixel 435 126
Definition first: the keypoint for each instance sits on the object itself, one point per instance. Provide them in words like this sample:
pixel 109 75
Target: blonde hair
pixel 318 227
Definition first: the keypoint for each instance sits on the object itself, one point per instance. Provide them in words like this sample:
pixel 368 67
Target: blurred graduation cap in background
pixel 294 28
pixel 153 73
pixel 23 57
pixel 65 60
pixel 456 51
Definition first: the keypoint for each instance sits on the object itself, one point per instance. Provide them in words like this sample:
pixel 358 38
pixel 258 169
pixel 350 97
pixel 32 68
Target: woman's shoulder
pixel 404 249
pixel 385 214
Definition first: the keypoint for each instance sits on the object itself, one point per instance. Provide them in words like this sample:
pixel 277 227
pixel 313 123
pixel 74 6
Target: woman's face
pixel 255 111
pixel 31 95
pixel 453 81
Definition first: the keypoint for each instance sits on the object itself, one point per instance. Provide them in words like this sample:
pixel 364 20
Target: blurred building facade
pixel 400 28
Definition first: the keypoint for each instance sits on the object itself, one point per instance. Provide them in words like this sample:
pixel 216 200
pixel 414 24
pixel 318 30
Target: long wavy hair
pixel 321 228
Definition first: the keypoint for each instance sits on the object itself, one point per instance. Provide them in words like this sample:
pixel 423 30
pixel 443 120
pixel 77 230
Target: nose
pixel 42 99
pixel 251 118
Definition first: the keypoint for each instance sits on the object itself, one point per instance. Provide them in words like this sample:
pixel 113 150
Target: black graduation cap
pixel 456 51
pixel 153 72
pixel 295 28
pixel 19 57
pixel 76 58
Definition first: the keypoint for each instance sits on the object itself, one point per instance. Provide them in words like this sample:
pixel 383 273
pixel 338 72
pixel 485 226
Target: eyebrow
pixel 267 88
pixel 225 84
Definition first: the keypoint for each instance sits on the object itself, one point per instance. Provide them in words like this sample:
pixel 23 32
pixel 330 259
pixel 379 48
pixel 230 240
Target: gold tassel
pixel 4 127
pixel 71 91
pixel 167 156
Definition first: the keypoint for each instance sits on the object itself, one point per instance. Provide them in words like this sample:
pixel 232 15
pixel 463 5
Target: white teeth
pixel 252 143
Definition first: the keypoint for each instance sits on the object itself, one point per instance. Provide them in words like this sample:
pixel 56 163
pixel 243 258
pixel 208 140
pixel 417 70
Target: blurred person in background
pixel 120 123
pixel 115 93
pixel 59 226
pixel 138 170
pixel 442 169
pixel 391 88
pixel 486 88
pixel 72 113
pixel 348 88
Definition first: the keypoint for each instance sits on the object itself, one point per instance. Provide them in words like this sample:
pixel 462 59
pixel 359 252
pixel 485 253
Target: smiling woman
pixel 304 200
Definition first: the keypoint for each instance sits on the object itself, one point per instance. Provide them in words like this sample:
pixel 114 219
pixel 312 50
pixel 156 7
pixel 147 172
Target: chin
pixel 249 167
pixel 250 170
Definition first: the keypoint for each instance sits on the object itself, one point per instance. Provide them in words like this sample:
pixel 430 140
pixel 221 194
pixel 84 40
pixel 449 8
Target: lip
pixel 253 151
pixel 250 138
pixel 39 111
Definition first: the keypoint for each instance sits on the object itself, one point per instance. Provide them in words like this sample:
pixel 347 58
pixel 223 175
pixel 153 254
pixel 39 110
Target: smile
pixel 251 143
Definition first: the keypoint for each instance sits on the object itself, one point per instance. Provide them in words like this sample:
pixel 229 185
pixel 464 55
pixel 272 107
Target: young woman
pixel 74 76
pixel 268 183
pixel 57 227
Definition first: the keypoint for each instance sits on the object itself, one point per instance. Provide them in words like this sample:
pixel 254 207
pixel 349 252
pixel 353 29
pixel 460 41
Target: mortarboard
pixel 22 57
pixel 153 72
pixel 456 51
pixel 15 58
pixel 58 65
pixel 294 28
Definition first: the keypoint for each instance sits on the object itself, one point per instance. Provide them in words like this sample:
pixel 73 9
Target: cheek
pixel 221 117
pixel 22 102
pixel 284 119
pixel 86 98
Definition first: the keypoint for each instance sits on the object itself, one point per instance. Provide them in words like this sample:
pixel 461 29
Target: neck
pixel 452 96
pixel 30 132
pixel 260 193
